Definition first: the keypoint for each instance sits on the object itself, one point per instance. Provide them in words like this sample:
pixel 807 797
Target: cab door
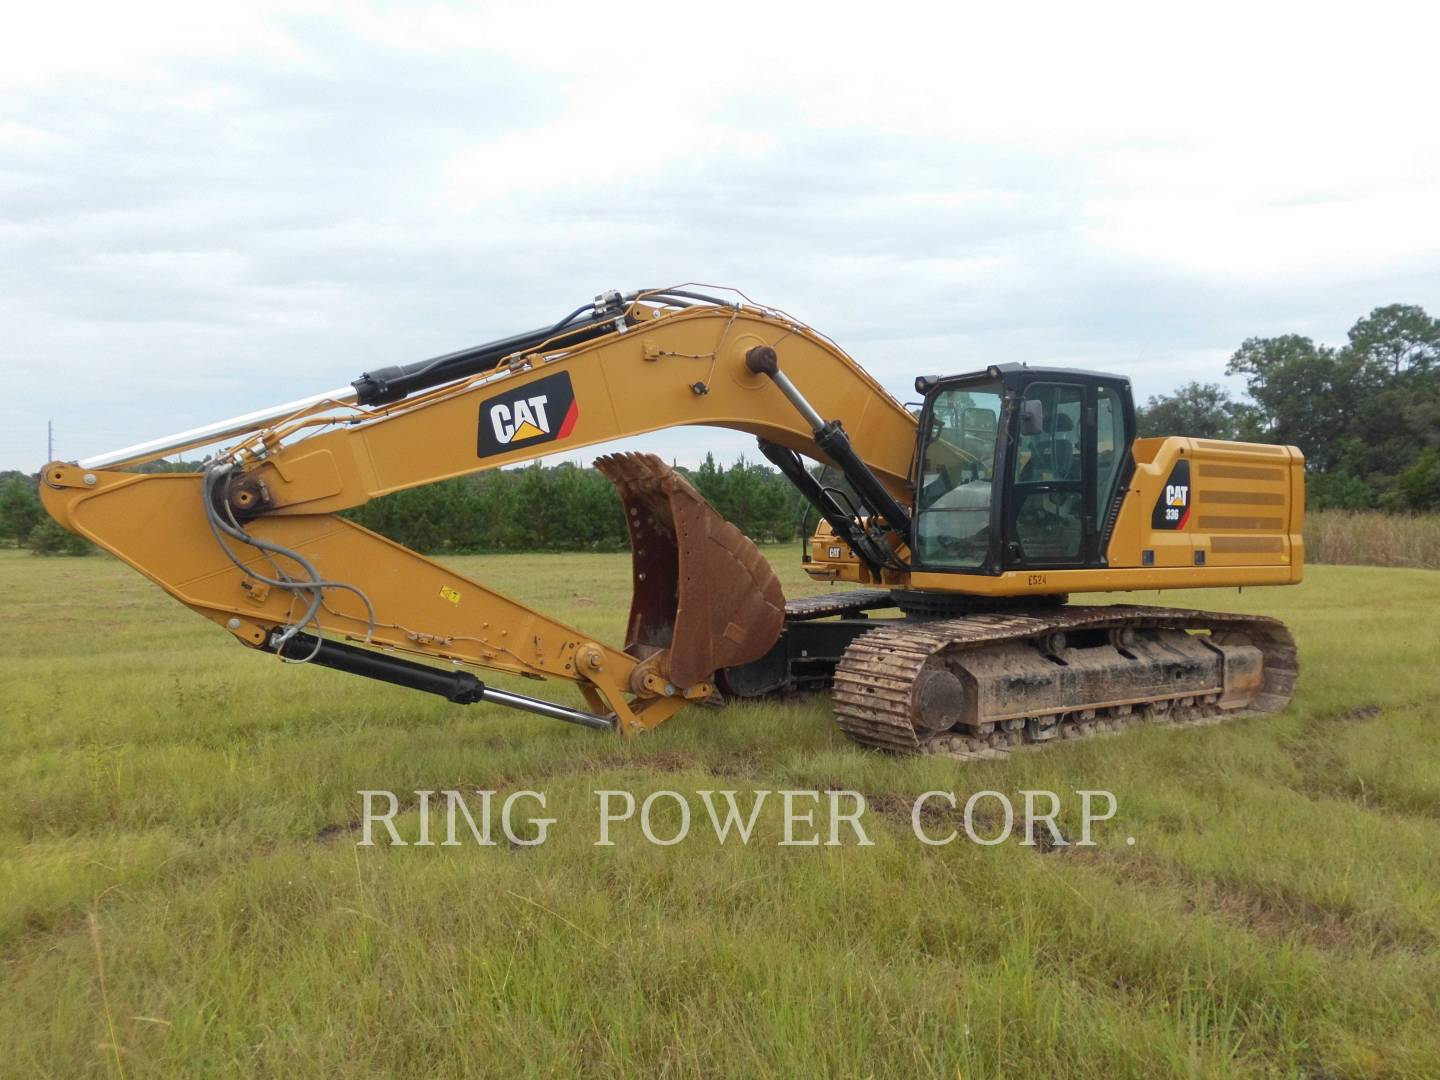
pixel 1067 442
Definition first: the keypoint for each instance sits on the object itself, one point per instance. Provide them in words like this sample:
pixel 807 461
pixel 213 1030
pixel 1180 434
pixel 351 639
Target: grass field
pixel 181 892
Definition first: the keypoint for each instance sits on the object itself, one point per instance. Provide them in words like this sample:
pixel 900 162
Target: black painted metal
pixel 872 552
pixel 385 385
pixel 458 686
pixel 835 444
pixel 803 659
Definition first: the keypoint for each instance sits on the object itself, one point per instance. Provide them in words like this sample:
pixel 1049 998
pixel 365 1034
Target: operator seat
pixel 1067 461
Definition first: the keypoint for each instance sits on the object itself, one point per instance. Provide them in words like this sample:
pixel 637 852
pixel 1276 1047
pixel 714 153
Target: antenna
pixel 49 440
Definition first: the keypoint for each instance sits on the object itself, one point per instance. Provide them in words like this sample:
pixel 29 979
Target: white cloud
pixel 203 210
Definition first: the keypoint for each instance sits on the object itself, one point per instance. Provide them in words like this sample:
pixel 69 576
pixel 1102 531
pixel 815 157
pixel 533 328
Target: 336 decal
pixel 1172 509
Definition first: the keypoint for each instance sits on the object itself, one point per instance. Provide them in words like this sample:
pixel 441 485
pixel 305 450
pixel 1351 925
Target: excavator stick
pixel 705 598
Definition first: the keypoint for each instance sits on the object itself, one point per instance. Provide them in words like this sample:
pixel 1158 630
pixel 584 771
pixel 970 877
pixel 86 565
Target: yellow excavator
pixel 968 517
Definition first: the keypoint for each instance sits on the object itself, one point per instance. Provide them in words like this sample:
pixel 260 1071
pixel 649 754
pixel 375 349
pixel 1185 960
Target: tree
pixel 1399 337
pixel 1366 414
pixel 1418 487
pixel 1396 420
pixel 564 508
pixel 50 538
pixel 20 511
pixel 1339 491
pixel 164 465
pixel 754 498
pixel 1305 394
pixel 1398 350
pixel 1196 410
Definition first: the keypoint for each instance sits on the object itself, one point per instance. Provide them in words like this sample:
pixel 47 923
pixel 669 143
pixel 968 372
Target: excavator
pixel 959 525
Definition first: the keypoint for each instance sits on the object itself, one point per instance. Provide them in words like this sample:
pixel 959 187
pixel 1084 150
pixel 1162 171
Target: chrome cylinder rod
pixel 803 407
pixel 546 708
pixel 212 433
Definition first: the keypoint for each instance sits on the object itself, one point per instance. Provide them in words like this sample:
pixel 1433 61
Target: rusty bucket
pixel 705 598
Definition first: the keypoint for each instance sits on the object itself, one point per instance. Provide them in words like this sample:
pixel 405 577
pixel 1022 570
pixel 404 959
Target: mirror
pixel 1032 417
pixel 975 421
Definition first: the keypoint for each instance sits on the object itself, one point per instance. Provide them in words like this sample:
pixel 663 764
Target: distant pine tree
pixel 20 510
pixel 565 507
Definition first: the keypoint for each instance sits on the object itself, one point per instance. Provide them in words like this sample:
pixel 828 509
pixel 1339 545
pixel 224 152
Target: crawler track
pixel 848 602
pixel 880 688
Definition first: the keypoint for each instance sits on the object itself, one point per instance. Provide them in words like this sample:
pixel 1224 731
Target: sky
pixel 207 211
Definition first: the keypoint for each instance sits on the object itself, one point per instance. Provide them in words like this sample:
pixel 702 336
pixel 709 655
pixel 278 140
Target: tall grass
pixel 1365 538
pixel 181 893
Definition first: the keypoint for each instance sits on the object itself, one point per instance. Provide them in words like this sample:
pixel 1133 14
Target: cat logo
pixel 523 420
pixel 1172 509
pixel 537 412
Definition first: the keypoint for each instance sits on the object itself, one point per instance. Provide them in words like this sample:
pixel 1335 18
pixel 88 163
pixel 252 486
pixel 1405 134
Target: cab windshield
pixel 952 527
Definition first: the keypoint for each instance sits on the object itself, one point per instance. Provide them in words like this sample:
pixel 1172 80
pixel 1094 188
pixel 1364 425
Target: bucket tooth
pixel 705 598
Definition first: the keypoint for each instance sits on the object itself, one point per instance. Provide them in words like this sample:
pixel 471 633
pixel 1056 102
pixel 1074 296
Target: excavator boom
pixel 257 544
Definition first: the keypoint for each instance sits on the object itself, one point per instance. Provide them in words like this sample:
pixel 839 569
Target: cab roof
pixel 1015 376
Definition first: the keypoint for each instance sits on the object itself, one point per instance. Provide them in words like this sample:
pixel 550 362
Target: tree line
pixel 566 507
pixel 538 508
pixel 24 523
pixel 1366 414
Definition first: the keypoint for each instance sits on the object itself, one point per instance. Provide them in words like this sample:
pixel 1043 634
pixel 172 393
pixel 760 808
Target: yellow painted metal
pixel 155 522
pixel 1247 513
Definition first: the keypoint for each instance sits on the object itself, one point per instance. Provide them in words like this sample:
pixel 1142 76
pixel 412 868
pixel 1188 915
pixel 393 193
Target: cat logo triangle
pixel 526 430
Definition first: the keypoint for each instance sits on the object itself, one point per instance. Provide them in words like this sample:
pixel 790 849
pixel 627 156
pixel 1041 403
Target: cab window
pixel 1048 474
pixel 957 477
pixel 1110 447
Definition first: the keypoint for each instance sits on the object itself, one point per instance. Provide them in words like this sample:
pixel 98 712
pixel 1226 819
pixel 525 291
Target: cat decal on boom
pixel 540 412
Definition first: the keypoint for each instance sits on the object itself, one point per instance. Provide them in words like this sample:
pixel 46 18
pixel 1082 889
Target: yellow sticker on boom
pixel 447 593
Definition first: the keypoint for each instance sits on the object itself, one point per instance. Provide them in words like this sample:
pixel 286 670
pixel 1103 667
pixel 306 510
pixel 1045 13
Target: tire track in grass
pixel 1269 911
pixel 1324 772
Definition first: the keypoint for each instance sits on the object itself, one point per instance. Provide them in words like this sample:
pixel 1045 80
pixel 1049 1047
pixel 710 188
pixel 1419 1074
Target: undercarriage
pixel 984 683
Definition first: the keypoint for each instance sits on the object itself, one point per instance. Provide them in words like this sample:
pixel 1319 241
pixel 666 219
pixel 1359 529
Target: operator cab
pixel 1020 468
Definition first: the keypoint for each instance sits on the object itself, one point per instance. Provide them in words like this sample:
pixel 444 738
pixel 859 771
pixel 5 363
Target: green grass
pixel 181 893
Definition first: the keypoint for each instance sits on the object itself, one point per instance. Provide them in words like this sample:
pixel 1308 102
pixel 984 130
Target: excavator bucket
pixel 705 598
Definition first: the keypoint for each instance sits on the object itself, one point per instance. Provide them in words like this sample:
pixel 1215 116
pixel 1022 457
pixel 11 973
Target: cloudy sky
pixel 207 211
